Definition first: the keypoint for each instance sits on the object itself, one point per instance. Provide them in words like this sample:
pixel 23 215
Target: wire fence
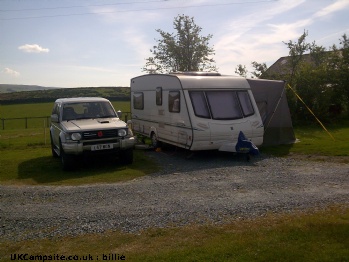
pixel 36 122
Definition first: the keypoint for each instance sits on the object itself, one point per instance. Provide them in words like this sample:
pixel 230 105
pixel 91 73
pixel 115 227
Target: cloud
pixel 33 49
pixel 90 69
pixel 243 41
pixel 332 8
pixel 11 72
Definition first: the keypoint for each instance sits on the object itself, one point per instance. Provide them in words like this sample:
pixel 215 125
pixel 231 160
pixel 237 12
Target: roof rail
pixel 196 73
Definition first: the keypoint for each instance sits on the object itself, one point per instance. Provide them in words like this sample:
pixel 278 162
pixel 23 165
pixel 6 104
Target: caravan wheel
pixel 154 140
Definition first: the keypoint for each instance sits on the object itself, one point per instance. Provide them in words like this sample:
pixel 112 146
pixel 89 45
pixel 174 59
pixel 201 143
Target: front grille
pixel 91 143
pixel 101 134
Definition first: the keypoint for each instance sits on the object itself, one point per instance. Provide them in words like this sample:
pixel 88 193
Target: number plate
pixel 101 147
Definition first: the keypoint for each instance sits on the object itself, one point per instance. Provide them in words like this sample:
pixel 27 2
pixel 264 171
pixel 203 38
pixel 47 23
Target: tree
pixel 259 69
pixel 318 54
pixel 338 72
pixel 241 70
pixel 296 52
pixel 320 78
pixel 184 50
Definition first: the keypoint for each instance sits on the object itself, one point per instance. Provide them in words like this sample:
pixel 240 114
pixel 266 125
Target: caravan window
pixel 224 104
pixel 174 102
pixel 159 96
pixel 245 103
pixel 199 104
pixel 138 100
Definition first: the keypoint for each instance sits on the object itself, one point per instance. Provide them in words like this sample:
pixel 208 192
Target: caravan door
pixel 178 129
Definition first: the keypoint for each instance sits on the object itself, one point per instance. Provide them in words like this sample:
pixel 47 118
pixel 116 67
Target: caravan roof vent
pixel 196 73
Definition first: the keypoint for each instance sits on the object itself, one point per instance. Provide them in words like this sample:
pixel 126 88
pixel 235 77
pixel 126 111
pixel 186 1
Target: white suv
pixel 88 125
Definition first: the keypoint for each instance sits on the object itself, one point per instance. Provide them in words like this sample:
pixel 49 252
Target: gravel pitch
pixel 209 187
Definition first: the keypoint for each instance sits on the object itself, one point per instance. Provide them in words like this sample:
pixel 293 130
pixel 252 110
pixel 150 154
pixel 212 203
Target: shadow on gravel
pixel 173 159
pixel 48 169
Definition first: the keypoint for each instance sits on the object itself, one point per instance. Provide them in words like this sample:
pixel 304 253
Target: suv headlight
pixel 122 132
pixel 73 136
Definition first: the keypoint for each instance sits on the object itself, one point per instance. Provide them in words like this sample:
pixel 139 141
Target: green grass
pixel 25 110
pixel 313 140
pixel 25 158
pixel 36 166
pixel 23 138
pixel 316 236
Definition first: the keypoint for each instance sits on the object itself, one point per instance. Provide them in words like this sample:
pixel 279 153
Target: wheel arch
pixel 153 130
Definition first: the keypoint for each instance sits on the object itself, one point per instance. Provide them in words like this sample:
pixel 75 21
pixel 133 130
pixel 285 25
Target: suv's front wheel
pixel 154 140
pixel 53 147
pixel 66 160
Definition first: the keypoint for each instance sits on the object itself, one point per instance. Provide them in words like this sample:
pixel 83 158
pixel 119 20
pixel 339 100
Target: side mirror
pixel 54 118
pixel 119 113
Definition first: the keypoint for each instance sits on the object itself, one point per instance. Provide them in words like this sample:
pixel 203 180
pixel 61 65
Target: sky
pixel 91 43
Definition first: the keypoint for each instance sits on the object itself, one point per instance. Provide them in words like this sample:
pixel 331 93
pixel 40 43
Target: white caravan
pixel 195 110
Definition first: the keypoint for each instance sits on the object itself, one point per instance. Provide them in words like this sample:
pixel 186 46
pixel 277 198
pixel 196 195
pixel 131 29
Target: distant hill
pixel 51 94
pixel 7 88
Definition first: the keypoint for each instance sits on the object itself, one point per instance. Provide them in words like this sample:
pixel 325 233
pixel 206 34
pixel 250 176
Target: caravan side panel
pixel 159 108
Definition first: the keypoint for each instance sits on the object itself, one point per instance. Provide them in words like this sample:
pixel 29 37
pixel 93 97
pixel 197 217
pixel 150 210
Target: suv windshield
pixel 86 110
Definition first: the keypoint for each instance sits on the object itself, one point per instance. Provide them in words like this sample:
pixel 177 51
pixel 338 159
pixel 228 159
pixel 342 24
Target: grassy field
pixel 314 141
pixel 36 166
